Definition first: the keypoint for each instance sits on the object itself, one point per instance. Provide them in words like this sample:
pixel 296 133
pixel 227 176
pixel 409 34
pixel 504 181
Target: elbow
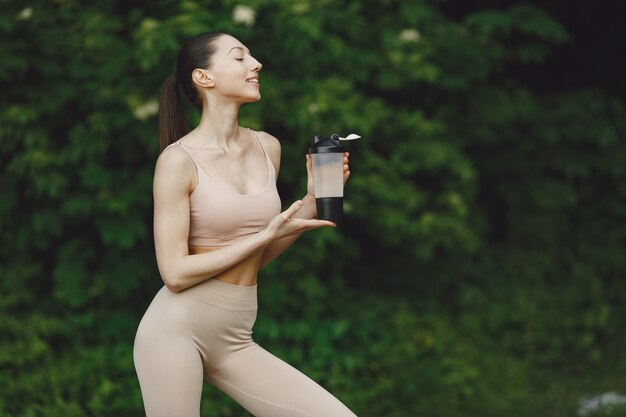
pixel 174 286
pixel 173 283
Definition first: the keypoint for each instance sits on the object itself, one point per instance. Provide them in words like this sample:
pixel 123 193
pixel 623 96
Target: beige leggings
pixel 205 333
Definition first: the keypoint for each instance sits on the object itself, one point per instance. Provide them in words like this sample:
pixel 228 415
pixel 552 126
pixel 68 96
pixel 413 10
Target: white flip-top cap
pixel 351 136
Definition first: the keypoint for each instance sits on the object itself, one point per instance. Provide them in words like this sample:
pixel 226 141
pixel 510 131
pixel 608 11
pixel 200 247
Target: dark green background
pixel 479 271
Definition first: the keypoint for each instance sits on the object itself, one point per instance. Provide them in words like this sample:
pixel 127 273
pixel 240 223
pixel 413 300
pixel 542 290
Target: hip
pixel 213 307
pixel 214 317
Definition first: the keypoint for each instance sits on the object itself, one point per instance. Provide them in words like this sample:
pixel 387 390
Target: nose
pixel 256 65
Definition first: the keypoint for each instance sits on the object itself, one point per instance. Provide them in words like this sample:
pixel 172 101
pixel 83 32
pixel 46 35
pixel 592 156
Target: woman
pixel 217 221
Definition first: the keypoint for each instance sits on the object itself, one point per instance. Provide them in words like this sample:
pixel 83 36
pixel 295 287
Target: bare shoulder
pixel 174 168
pixel 269 141
pixel 273 147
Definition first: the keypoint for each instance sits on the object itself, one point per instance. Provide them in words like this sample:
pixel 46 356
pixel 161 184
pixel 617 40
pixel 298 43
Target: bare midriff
pixel 244 273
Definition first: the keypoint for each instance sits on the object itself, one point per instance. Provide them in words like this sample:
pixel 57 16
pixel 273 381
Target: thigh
pixel 170 376
pixel 266 386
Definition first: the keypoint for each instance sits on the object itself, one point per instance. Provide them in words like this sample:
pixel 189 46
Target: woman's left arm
pixel 308 209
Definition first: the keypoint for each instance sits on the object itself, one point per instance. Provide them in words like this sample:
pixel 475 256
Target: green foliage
pixel 478 269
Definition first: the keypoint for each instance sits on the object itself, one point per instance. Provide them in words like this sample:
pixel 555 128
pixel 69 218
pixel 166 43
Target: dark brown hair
pixel 195 53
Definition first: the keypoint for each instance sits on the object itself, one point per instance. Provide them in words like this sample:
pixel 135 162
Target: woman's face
pixel 234 72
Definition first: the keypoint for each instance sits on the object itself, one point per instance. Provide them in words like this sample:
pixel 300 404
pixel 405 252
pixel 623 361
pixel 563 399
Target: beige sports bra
pixel 220 217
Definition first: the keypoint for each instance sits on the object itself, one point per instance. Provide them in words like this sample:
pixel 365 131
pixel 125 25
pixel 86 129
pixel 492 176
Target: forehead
pixel 227 44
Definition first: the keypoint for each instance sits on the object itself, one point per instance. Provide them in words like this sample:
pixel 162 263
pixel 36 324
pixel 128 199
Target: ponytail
pixel 195 53
pixel 172 124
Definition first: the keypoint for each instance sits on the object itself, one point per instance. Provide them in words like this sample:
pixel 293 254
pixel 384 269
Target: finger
pixel 292 209
pixel 309 224
pixel 322 223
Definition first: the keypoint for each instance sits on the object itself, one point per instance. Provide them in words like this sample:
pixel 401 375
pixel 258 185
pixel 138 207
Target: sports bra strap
pixel 270 164
pixel 186 150
pixel 260 141
pixel 195 163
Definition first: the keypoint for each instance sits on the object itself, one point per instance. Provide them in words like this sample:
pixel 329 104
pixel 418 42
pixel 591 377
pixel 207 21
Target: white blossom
pixel 409 35
pixel 25 14
pixel 244 15
pixel 147 109
pixel 601 403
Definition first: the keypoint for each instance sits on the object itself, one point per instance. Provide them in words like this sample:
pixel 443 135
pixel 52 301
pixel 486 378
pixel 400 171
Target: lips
pixel 253 80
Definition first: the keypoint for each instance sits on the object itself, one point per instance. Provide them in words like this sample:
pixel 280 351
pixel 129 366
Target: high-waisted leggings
pixel 205 334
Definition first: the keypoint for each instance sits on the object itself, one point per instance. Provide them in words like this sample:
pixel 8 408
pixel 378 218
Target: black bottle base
pixel 329 208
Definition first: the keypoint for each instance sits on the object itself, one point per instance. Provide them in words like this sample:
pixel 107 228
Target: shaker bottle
pixel 327 156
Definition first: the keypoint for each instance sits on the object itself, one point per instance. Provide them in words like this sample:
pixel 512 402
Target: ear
pixel 202 78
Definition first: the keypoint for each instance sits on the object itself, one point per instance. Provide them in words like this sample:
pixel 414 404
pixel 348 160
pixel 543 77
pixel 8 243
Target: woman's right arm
pixel 173 182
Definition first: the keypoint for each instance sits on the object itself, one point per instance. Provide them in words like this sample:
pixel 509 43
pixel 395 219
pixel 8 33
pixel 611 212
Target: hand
pixel 310 188
pixel 285 224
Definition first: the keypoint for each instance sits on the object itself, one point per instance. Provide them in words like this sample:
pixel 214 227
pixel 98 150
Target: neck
pixel 219 125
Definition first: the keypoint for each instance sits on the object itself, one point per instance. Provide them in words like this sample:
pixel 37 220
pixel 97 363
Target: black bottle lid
pixel 321 145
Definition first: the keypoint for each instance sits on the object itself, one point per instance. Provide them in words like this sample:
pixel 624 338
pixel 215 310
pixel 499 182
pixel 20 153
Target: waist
pixel 244 273
pixel 222 294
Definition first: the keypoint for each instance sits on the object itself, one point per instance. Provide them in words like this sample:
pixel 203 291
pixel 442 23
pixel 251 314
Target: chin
pixel 251 99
